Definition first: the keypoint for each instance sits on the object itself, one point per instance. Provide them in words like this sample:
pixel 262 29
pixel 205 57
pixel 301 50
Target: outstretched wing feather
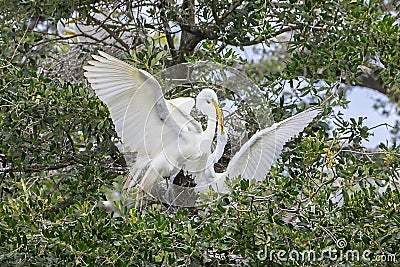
pixel 262 150
pixel 136 103
pixel 180 109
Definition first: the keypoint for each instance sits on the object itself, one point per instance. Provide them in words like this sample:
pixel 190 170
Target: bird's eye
pixel 208 102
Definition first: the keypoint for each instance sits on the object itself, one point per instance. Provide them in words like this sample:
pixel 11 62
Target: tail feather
pixel 147 181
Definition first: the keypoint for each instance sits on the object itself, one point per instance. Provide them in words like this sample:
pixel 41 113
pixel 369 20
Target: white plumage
pixel 167 139
pixel 261 151
pixel 162 132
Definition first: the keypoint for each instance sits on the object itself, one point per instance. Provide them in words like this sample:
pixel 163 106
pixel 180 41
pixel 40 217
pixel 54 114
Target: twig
pixel 110 32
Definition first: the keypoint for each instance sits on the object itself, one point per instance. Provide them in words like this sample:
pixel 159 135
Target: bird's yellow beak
pixel 220 117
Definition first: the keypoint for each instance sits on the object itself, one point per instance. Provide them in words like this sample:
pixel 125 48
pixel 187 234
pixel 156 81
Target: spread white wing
pixel 136 103
pixel 185 104
pixel 260 152
pixel 180 109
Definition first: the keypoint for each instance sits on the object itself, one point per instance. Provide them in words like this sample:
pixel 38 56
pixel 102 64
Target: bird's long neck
pixel 211 125
pixel 222 140
pixel 216 180
pixel 207 136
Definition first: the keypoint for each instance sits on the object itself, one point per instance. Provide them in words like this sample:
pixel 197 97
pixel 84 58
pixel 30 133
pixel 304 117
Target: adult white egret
pixel 166 138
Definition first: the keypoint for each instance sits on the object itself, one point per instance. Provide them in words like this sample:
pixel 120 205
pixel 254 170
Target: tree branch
pixel 110 32
pixel 167 31
pixel 214 12
pixel 230 11
pixel 37 168
pixel 372 81
pixel 189 39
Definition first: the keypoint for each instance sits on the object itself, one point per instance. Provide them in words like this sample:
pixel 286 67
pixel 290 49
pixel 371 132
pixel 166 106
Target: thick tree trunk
pixel 189 40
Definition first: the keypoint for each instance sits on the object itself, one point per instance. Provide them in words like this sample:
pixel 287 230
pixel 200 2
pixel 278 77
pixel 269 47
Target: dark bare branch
pixel 110 32
pixel 214 12
pixel 37 168
pixel 167 31
pixel 189 39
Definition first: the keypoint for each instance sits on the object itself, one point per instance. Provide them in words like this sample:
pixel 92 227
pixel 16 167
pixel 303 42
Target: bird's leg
pixel 169 195
pixel 139 199
pixel 171 177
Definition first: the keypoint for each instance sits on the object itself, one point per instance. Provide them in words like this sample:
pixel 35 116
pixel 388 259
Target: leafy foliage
pixel 59 152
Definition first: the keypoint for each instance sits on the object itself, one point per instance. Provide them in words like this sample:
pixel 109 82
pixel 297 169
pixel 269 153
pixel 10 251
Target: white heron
pixel 167 139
